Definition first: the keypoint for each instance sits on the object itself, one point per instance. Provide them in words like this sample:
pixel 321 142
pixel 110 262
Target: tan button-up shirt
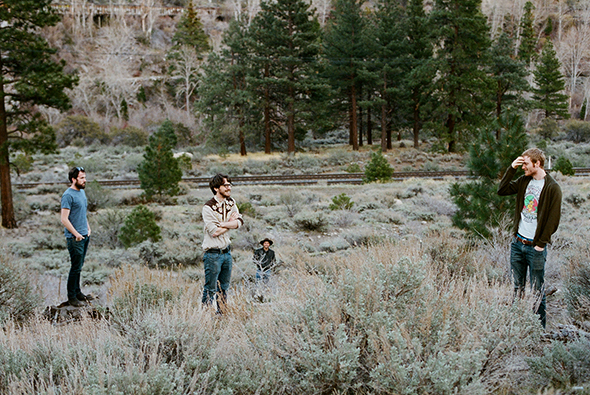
pixel 214 213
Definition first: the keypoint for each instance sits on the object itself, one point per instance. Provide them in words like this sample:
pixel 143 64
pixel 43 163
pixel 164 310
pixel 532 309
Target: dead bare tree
pixel 573 51
pixel 186 64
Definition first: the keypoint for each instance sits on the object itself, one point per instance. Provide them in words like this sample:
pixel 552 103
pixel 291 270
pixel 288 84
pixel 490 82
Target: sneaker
pixel 76 303
pixel 84 298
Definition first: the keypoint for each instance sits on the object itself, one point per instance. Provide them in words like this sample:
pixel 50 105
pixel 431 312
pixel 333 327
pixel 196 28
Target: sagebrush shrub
pixel 310 221
pixel 19 299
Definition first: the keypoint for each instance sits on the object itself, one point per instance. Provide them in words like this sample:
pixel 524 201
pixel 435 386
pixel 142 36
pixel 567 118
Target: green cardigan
pixel 549 210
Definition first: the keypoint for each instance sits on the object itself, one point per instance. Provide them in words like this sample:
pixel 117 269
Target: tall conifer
pixel 346 49
pixel 285 38
pixel 29 78
pixel 550 83
pixel 508 74
pixel 462 86
pixel 159 172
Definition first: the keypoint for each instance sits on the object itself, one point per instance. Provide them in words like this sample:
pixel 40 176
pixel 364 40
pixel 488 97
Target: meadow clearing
pixel 385 297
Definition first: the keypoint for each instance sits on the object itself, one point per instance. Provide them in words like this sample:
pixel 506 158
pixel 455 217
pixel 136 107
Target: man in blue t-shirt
pixel 77 232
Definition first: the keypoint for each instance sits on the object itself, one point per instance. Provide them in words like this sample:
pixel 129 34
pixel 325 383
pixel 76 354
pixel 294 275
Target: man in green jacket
pixel 536 218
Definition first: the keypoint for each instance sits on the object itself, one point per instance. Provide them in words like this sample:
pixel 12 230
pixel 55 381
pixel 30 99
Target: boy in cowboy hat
pixel 264 259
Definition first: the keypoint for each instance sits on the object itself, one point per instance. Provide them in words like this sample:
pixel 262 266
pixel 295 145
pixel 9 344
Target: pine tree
pixel 420 71
pixel 550 83
pixel 285 39
pixel 528 41
pixel 508 75
pixel 189 31
pixel 159 172
pixel 29 78
pixel 140 225
pixel 462 86
pixel 388 38
pixel 227 100
pixel 346 47
pixel 480 209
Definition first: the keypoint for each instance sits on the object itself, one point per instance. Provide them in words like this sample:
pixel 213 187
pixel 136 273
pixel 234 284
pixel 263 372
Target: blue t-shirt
pixel 76 202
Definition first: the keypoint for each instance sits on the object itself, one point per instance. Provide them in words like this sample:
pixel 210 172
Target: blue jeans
pixel 77 251
pixel 217 276
pixel 525 258
pixel 263 275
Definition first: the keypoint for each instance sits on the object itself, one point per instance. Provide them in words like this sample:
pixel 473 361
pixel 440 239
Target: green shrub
pixel 292 202
pixel 310 221
pixel 564 166
pixel 378 169
pixel 79 127
pixel 246 208
pixel 577 131
pixel 562 366
pixel 341 202
pixel 18 298
pixel 139 226
pixel 129 136
pixel 548 129
pixel 98 196
pixel 353 168
pixel 109 223
pixel 577 292
pixel 23 163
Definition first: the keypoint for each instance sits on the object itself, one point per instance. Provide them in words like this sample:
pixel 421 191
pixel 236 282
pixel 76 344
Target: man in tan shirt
pixel 220 214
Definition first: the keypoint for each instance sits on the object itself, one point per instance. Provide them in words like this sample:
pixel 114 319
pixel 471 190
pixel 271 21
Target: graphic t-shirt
pixel 528 215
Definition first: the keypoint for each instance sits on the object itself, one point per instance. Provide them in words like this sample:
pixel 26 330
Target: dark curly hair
pixel 217 181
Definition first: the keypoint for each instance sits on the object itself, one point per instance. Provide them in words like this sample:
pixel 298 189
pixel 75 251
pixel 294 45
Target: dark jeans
pixel 77 251
pixel 217 276
pixel 525 258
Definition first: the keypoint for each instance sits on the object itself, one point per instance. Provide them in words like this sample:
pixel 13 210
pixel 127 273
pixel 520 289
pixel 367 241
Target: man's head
pixel 534 161
pixel 77 177
pixel 221 183
pixel 266 243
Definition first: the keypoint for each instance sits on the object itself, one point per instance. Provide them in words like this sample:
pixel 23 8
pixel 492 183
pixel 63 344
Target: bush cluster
pixel 19 299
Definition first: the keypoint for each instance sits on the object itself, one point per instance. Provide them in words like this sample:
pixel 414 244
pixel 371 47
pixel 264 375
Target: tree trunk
pixel 416 126
pixel 384 127
pixel 266 114
pixel 8 219
pixel 291 125
pixel 369 125
pixel 353 109
pixel 360 120
pixel 451 132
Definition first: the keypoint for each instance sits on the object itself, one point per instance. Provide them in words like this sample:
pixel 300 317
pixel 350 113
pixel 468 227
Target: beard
pixel 80 186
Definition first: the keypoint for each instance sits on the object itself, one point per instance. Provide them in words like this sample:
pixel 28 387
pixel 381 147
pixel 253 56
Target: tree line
pixel 280 76
pixel 385 69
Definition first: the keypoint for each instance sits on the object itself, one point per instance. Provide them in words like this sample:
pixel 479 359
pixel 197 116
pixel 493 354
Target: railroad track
pixel 298 179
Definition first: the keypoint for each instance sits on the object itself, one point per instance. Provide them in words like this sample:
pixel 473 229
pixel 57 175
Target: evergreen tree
pixel 346 48
pixel 227 100
pixel 159 172
pixel 419 72
pixel 508 75
pixel 462 86
pixel 528 40
pixel 140 225
pixel 189 31
pixel 285 38
pixel 388 38
pixel 378 169
pixel 549 83
pixel 480 209
pixel 29 78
